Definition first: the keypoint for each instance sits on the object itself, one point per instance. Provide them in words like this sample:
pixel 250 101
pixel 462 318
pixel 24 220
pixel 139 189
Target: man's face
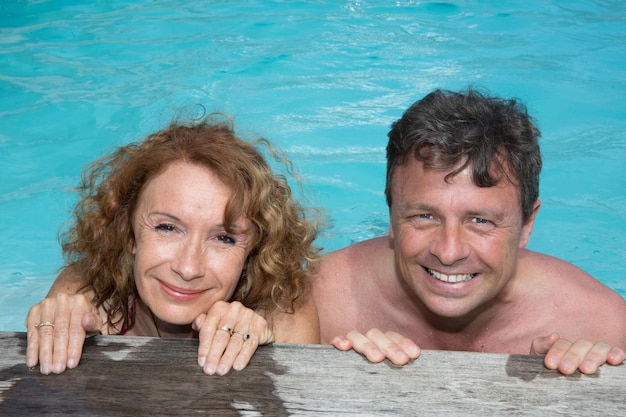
pixel 455 243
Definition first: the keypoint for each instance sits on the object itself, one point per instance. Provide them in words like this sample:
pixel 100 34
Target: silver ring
pixel 44 323
pixel 226 329
pixel 246 336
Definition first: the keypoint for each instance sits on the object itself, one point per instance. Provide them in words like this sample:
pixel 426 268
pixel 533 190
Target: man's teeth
pixel 451 278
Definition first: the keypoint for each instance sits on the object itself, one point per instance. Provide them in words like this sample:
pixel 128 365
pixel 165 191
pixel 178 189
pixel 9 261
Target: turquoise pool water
pixel 321 79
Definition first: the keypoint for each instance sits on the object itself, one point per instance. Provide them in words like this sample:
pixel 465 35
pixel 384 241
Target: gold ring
pixel 226 329
pixel 44 323
pixel 246 336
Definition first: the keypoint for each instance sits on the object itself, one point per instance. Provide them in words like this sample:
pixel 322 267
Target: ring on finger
pixel 226 329
pixel 246 336
pixel 44 324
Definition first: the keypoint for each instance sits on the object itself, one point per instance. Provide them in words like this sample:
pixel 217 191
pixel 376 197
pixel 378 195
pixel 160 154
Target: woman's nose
pixel 188 261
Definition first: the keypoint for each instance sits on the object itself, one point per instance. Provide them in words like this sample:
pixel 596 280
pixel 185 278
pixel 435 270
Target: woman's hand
pixel 229 336
pixel 583 354
pixel 57 328
pixel 376 346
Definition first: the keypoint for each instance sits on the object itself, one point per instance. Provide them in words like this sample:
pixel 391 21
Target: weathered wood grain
pixel 133 376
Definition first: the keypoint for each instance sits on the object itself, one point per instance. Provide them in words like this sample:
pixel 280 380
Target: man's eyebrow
pixel 414 206
pixel 417 207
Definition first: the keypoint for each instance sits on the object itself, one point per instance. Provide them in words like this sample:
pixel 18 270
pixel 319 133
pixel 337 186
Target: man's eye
pixel 167 227
pixel 478 220
pixel 226 239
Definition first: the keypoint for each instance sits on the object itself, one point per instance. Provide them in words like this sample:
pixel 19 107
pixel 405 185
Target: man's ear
pixel 391 234
pixel 527 227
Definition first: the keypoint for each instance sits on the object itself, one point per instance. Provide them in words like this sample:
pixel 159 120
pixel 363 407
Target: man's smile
pixel 450 278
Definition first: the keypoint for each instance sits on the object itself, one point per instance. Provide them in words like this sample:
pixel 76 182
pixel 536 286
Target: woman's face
pixel 185 260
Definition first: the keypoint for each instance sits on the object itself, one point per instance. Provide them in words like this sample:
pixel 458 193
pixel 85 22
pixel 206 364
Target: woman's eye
pixel 166 227
pixel 226 239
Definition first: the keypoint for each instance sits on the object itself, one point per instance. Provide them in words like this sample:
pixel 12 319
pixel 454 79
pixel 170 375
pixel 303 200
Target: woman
pixel 185 234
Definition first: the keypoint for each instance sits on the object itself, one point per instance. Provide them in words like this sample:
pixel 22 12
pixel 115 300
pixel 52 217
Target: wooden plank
pixel 125 376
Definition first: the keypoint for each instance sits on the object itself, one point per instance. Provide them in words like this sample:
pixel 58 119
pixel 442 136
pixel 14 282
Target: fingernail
pixel 210 369
pixel 587 367
pixel 237 366
pixel 71 363
pixel 222 370
pixel 550 364
pixel 58 368
pixel 567 366
pixel 201 360
pixel 44 368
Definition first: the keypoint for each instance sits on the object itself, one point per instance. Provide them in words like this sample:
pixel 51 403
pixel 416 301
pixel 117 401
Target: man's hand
pixel 583 354
pixel 376 346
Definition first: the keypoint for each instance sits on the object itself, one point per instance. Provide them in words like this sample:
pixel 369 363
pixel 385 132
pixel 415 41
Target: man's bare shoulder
pixel 559 274
pixel 578 303
pixel 345 286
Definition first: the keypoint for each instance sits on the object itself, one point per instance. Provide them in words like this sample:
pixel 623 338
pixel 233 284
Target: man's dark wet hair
pixel 450 131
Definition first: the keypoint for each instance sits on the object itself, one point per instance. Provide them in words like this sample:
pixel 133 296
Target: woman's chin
pixel 176 318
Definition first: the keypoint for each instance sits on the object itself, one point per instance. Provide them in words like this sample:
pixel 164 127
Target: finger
pixel 555 353
pixel 214 335
pixel 248 347
pixel 541 345
pixel 206 329
pixel 363 345
pixel 408 346
pixel 575 355
pixel 32 336
pixel 198 322
pixel 616 356
pixel 595 357
pixel 341 343
pixel 45 335
pixel 82 325
pixel 92 323
pixel 258 333
pixel 61 331
pixel 392 351
pixel 215 348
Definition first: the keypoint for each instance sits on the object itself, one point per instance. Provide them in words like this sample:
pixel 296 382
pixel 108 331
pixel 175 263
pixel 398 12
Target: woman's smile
pixel 179 294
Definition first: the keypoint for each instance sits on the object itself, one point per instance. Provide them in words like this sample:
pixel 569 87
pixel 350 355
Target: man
pixel 453 274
